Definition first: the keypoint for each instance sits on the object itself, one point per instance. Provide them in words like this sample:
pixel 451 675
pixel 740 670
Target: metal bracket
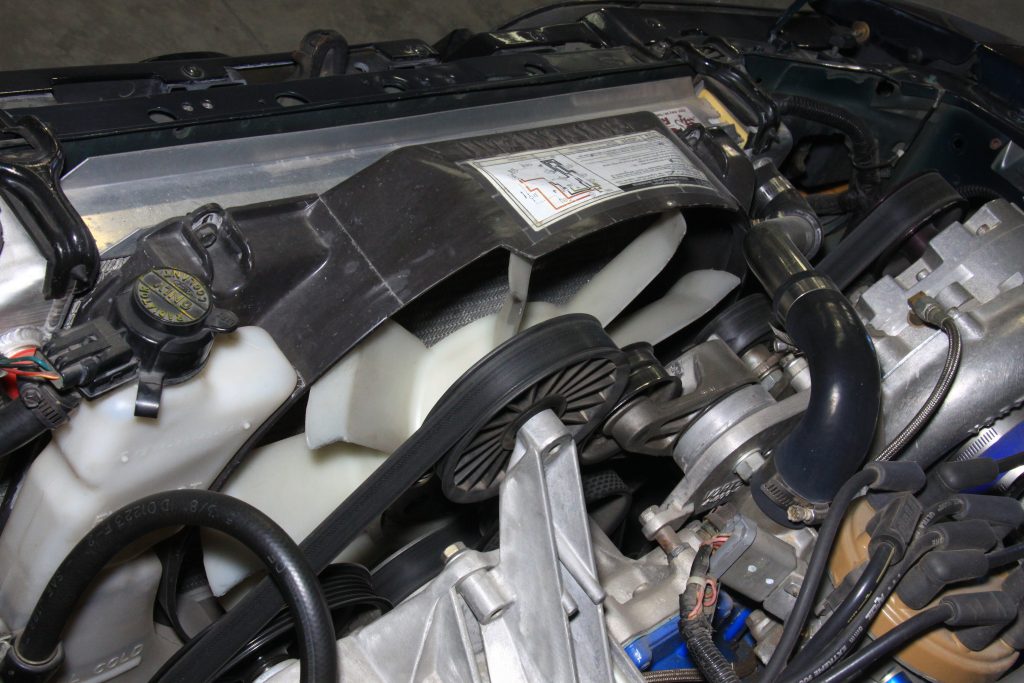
pixel 529 611
pixel 651 425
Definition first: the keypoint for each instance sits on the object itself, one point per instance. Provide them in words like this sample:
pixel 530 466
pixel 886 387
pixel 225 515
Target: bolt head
pixel 797 513
pixel 453 550
pixel 748 465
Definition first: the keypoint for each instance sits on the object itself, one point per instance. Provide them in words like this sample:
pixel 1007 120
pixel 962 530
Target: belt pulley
pixel 567 364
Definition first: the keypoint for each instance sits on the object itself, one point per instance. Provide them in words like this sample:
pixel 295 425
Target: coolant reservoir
pixel 105 457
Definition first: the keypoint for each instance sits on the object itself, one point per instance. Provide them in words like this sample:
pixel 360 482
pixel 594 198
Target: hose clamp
pixel 17 669
pixel 795 289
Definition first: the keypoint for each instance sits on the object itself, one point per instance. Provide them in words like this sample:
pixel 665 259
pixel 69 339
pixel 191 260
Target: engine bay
pixel 632 342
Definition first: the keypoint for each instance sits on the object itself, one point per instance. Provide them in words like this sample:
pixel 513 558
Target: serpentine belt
pixel 483 391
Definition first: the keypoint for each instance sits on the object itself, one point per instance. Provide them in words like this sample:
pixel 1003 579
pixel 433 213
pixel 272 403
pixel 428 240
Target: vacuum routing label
pixel 546 185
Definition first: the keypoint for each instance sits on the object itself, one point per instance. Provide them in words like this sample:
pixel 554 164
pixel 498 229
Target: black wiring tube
pixel 18 426
pixel 866 584
pixel 863 144
pixel 37 648
pixel 886 645
pixel 816 568
pixel 700 646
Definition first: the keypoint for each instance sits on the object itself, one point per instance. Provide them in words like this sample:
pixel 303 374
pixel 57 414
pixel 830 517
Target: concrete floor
pixel 36 33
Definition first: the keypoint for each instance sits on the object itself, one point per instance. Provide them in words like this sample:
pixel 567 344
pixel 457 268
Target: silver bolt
pixel 192 71
pixel 772 379
pixel 799 513
pixel 187 106
pixel 648 514
pixel 453 550
pixel 921 274
pixel 751 568
pixel 206 104
pixel 748 465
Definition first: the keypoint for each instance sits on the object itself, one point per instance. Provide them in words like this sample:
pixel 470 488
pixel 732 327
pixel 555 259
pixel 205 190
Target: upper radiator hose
pixel 833 438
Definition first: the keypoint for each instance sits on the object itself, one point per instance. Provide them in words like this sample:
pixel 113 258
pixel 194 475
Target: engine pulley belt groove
pixel 501 376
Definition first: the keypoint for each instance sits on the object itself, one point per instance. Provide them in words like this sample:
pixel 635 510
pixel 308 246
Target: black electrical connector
pixel 895 525
pixel 892 530
pixel 891 475
pixel 962 610
pixel 938 569
pixel 897 476
pixel 1003 513
pixel 972 534
pixel 968 534
pixel 1013 585
pixel 952 477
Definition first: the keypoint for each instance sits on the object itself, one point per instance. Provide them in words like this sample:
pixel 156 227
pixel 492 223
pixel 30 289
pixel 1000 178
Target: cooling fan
pixel 380 393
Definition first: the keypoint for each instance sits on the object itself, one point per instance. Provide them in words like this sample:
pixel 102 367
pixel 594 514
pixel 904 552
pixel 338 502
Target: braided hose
pixel 954 353
pixel 673 676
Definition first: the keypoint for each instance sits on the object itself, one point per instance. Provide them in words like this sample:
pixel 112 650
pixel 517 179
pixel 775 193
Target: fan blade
pixel 273 478
pixel 626 275
pixel 691 297
pixel 380 393
pixel 365 398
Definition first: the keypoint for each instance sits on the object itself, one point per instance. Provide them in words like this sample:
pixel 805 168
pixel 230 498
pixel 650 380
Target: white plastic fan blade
pixel 365 398
pixel 694 295
pixel 297 487
pixel 626 275
pixel 380 393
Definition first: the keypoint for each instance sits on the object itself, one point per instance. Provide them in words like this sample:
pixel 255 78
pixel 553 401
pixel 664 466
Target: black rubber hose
pixel 775 198
pixel 287 568
pixel 701 648
pixel 816 568
pixel 863 144
pixel 18 426
pixel 866 584
pixel 834 435
pixel 888 644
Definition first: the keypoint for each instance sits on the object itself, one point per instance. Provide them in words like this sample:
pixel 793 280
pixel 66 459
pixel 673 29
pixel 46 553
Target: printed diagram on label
pixel 550 185
pixel 544 186
pixel 679 118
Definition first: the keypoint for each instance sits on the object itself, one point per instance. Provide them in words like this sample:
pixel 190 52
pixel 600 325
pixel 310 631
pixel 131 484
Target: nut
pixel 748 465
